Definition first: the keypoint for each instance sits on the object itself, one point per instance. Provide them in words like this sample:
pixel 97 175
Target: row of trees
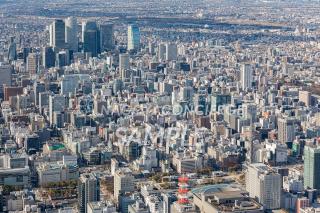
pixel 62 184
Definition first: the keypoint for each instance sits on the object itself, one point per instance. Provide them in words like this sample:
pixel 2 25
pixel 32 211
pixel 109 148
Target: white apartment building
pixel 264 184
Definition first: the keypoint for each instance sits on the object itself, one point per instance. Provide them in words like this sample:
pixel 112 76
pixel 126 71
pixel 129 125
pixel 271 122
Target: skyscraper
pixel 286 129
pixel 249 111
pixel 123 182
pixel 312 167
pixel 107 40
pixel 171 51
pixel 88 191
pixel 133 38
pixel 57 34
pixel 12 51
pixel 87 25
pixel 32 63
pixel 6 76
pixel 161 52
pixel 246 76
pixel 124 62
pixel 48 57
pixel 91 42
pixel 264 184
pixel 38 87
pixel 57 103
pixel 71 33
pixel 117 86
pixel 25 52
pixel 124 65
pixel 91 38
pixel 63 58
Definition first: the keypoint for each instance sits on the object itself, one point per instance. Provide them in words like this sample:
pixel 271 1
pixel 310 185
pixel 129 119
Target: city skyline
pixel 173 106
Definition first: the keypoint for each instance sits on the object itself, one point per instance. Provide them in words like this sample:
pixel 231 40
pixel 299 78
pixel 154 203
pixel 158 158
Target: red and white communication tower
pixel 183 190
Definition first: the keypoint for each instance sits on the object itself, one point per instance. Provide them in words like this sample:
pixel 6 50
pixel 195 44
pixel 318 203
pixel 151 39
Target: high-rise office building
pixel 264 184
pixel 200 103
pixel 57 103
pixel 218 100
pixel 91 38
pixel 63 58
pixel 48 57
pixel 38 87
pixel 87 25
pixel 71 34
pixel 151 48
pixel 124 65
pixel 286 129
pixel 69 84
pixel 246 76
pixel 106 33
pixel 32 63
pixel 12 51
pixel 124 61
pixel 123 182
pixel 57 34
pixel 312 167
pixel 133 38
pixel 44 99
pixel 6 76
pixel 117 86
pixel 186 93
pixel 161 52
pixel 305 97
pixel 91 42
pixel 88 191
pixel 249 111
pixel 25 53
pixel 171 51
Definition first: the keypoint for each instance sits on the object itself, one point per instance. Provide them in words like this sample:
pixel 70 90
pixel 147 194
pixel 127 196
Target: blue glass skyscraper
pixel 91 38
